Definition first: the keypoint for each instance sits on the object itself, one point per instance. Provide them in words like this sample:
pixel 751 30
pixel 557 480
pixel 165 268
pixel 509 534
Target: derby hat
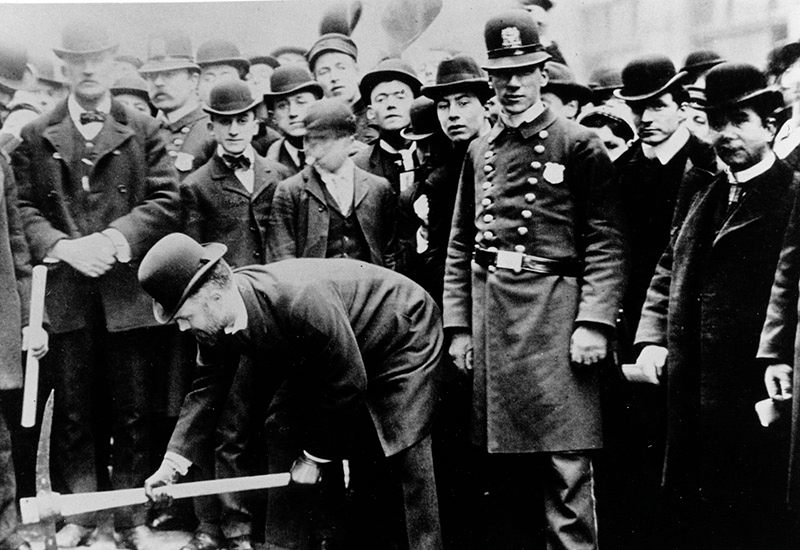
pixel 605 79
pixel 173 269
pixel 230 98
pixel 389 69
pixel 82 38
pixel 291 79
pixel 332 42
pixel 731 85
pixel 609 115
pixel 561 82
pixel 221 52
pixel 783 57
pixel 169 52
pixel 512 41
pixel 648 77
pixel 330 114
pixel 424 122
pixel 546 5
pixel 263 59
pixel 133 85
pixel 460 73
pixel 290 50
pixel 697 97
pixel 129 58
pixel 700 60
pixel 45 71
pixel 15 74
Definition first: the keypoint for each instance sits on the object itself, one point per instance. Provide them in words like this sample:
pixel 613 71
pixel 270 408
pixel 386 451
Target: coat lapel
pixel 262 173
pixel 226 178
pixel 115 132
pixel 361 187
pixel 314 185
pixel 60 131
pixel 753 206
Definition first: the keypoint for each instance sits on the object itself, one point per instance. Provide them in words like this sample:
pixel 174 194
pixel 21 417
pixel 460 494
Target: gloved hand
pixel 306 471
pixel 167 474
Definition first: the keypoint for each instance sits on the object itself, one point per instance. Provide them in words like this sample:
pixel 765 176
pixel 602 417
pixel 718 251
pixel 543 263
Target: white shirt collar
pixel 757 169
pixel 240 316
pixel 248 153
pixel 174 116
pixel 668 148
pixel 293 151
pixel 529 115
pixel 89 131
pixel 340 184
pixel 787 139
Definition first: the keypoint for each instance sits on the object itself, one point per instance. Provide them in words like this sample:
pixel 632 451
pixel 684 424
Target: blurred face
pixel 258 78
pixel 461 116
pixel 171 90
pixel 201 315
pixel 90 76
pixel 567 109
pixel 234 133
pixel 289 112
pixel 48 95
pixel 656 119
pixel 326 150
pixel 134 102
pixel 337 73
pixel 696 121
pixel 215 74
pixel 614 144
pixel 390 103
pixel 789 82
pixel 740 137
pixel 518 89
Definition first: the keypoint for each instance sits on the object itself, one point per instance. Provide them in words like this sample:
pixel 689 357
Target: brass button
pixel 538 149
pixel 522 230
pixel 177 141
pixel 536 165
pixel 527 214
pixel 492 268
pixel 89 144
pixel 185 130
pixel 488 235
pixel 488 154
pixel 488 218
pixel 530 197
pixel 533 181
pixel 543 134
pixel 488 168
pixel 519 248
pixel 486 185
pixel 486 202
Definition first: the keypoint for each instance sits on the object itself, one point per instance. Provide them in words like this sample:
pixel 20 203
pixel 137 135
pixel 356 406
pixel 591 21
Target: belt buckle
pixel 509 260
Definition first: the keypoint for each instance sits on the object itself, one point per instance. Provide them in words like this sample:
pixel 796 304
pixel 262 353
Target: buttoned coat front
pixel 545 189
pixel 220 209
pixel 300 217
pixel 132 188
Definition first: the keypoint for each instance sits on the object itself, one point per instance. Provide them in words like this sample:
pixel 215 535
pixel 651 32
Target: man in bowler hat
pixel 534 275
pixel 97 189
pixel 700 325
pixel 362 342
pixel 219 61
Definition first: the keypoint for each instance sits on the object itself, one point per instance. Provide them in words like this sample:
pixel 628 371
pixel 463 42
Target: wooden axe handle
pixel 31 388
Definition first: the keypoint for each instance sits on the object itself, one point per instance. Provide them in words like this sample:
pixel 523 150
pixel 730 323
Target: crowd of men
pixel 493 308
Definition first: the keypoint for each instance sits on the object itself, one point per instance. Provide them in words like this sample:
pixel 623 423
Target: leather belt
pixel 517 261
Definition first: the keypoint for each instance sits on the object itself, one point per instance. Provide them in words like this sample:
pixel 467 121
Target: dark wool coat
pixel 706 304
pixel 347 332
pixel 547 188
pixel 300 216
pixel 189 141
pixel 220 209
pixel 133 189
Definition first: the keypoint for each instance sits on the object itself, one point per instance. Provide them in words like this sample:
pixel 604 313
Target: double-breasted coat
pixel 132 188
pixel 544 189
pixel 220 209
pixel 706 304
pixel 300 217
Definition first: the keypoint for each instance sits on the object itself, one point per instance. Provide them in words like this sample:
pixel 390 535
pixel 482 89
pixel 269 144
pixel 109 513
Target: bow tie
pixel 88 117
pixel 237 163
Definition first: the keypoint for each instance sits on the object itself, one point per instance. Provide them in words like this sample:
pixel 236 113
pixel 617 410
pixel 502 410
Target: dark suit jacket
pixel 133 189
pixel 299 220
pixel 220 209
pixel 347 332
pixel 190 136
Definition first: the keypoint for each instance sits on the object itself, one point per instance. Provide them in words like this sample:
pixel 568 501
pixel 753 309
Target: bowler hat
pixel 456 74
pixel 783 57
pixel 700 60
pixel 129 58
pixel 174 268
pixel 263 59
pixel 648 77
pixel 221 52
pixel 45 71
pixel 391 68
pixel 697 97
pixel 424 122
pixel 609 115
pixel 729 85
pixel 512 41
pixel 169 52
pixel 330 114
pixel 14 71
pixel 131 84
pixel 546 5
pixel 332 42
pixel 81 38
pixel 291 79
pixel 561 82
pixel 605 79
pixel 292 50
pixel 230 98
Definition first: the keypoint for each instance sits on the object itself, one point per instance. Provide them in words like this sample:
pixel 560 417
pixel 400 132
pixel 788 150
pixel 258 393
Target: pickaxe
pixel 48 506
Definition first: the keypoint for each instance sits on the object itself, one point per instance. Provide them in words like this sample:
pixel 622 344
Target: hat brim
pixel 212 254
pixel 371 80
pixel 168 65
pixel 232 112
pixel 478 86
pixel 582 93
pixel 413 136
pixel 620 92
pixel 516 61
pixel 131 91
pixel 702 66
pixel 25 83
pixel 773 97
pixel 310 86
pixel 240 63
pixel 66 54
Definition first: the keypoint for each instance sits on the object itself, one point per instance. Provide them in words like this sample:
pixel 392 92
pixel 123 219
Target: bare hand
pixel 305 471
pixel 652 360
pixel 92 255
pixel 778 379
pixel 461 351
pixel 588 345
pixel 167 474
pixel 35 341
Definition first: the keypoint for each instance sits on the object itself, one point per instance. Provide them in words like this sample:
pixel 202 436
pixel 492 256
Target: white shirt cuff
pixel 182 464
pixel 120 244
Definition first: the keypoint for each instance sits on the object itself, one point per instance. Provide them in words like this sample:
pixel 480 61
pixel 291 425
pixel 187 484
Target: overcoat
pixel 348 332
pixel 707 303
pixel 132 188
pixel 300 216
pixel 546 189
pixel 220 209
pixel 15 281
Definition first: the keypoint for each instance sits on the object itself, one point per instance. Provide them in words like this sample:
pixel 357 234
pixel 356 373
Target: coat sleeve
pixel 159 212
pixel 192 219
pixel 457 299
pixel 652 327
pixel 16 237
pixel 281 233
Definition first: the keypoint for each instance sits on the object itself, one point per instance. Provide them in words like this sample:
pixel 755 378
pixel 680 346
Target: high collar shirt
pixel 668 148
pixel 246 177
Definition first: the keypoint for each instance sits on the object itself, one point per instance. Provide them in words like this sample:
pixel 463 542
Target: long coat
pixel 347 332
pixel 15 281
pixel 300 217
pixel 546 188
pixel 220 209
pixel 706 304
pixel 133 189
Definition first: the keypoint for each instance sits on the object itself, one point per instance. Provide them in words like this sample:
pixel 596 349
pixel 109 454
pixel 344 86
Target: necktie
pixel 88 117
pixel 237 163
pixel 301 157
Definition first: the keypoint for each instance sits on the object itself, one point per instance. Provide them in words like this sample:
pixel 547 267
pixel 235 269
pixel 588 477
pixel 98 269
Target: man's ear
pixel 210 126
pixel 771 125
pixel 572 107
pixel 545 76
pixel 370 113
